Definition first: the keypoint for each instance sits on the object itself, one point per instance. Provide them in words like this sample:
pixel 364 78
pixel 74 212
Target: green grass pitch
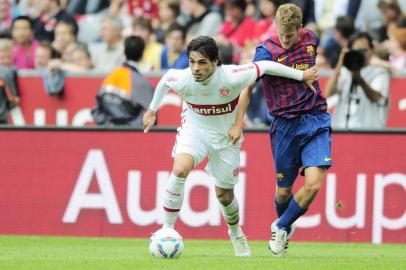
pixel 59 253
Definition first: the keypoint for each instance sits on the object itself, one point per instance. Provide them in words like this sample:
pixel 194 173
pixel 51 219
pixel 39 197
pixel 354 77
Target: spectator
pixel 397 34
pixel 8 80
pixel 391 12
pixel 125 94
pixel 369 18
pixel 198 19
pixel 109 54
pixel 363 94
pixel 266 25
pixel 65 38
pixel 307 7
pixel 6 17
pixel 174 54
pixel 168 12
pixel 237 28
pixel 80 7
pixel 151 59
pixel 50 13
pixel 54 75
pixel 79 61
pixel 28 8
pixel 24 45
pixel 6 53
pixel 394 48
pixel 81 57
pixel 43 54
pixel 343 29
pixel 8 93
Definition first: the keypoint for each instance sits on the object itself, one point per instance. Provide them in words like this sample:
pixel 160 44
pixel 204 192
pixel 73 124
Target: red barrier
pixel 92 183
pixel 37 108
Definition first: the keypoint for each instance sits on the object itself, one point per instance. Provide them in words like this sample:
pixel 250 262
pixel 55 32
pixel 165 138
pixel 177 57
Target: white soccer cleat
pixel 279 239
pixel 285 250
pixel 240 243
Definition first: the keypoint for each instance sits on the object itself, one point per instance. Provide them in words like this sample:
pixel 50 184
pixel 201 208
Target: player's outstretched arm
pixel 277 69
pixel 150 115
pixel 236 130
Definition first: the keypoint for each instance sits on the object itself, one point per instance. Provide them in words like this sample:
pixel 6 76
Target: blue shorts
pixel 303 141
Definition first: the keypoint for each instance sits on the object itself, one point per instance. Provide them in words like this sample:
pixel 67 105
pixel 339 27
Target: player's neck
pixel 208 79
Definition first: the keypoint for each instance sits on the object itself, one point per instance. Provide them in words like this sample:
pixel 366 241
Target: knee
pixel 225 198
pixel 283 194
pixel 180 171
pixel 312 188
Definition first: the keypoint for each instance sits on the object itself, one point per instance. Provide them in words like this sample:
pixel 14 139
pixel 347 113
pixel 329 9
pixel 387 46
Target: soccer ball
pixel 166 243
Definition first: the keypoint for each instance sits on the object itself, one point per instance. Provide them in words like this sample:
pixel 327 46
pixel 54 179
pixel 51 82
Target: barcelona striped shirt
pixel 286 97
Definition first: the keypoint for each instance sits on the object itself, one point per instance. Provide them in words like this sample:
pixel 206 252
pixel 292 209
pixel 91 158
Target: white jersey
pixel 211 104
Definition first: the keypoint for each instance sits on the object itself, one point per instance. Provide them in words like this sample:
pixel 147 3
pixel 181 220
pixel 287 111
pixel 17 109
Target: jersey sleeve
pixel 243 76
pixel 262 53
pixel 170 80
pixel 277 69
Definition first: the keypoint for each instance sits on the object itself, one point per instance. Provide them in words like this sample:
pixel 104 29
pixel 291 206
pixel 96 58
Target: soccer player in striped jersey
pixel 211 92
pixel 300 131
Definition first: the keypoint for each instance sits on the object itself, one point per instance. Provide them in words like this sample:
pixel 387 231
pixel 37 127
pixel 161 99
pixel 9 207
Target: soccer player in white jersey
pixel 210 92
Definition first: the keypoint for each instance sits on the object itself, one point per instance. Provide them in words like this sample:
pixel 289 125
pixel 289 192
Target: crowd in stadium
pixel 88 36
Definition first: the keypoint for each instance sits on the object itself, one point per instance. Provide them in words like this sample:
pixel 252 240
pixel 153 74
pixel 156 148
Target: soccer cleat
pixel 285 250
pixel 279 240
pixel 240 243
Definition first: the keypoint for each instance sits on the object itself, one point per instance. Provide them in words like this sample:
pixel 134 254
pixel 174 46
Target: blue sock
pixel 291 214
pixel 281 207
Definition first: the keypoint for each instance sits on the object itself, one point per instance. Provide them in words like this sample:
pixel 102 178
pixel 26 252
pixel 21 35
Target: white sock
pixel 231 214
pixel 173 199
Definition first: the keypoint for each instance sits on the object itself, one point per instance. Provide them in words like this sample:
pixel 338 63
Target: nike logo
pixel 328 159
pixel 281 59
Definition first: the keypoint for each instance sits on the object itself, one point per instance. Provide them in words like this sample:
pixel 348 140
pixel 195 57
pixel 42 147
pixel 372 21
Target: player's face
pixel 287 36
pixel 201 66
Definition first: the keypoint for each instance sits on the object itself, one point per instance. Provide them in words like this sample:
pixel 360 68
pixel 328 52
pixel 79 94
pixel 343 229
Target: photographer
pixel 362 88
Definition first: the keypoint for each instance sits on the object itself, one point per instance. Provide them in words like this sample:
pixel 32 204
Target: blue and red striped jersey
pixel 286 97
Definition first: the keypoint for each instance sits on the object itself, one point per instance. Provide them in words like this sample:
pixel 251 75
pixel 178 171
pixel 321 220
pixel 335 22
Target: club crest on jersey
pixel 310 50
pixel 224 92
pixel 280 176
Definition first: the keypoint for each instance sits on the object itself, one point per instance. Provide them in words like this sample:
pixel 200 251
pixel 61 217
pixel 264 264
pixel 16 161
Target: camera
pixel 354 60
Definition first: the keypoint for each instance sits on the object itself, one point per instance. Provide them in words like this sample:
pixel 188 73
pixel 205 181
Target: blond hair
pixel 6 44
pixel 289 16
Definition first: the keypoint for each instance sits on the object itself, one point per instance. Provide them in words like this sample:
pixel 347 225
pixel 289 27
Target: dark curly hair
pixel 205 46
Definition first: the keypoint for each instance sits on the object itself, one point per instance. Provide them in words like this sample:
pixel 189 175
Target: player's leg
pixel 314 177
pixel 316 158
pixel 286 152
pixel 286 162
pixel 188 152
pixel 230 209
pixel 283 196
pixel 231 213
pixel 224 166
pixel 173 196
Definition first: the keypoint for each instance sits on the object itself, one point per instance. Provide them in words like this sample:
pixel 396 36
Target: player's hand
pixel 235 133
pixel 148 120
pixel 310 76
